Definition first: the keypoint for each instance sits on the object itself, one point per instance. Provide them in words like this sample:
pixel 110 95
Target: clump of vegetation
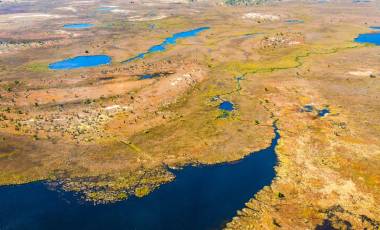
pixel 142 191
pixel 280 195
pixel 224 114
pixel 37 67
pixel 87 101
pixel 112 188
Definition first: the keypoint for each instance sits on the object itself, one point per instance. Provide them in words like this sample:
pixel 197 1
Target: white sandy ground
pixel 16 1
pixel 173 1
pixel 82 2
pixel 117 108
pixel 133 17
pixel 148 18
pixel 120 11
pixel 13 21
pixel 259 16
pixel 32 16
pixel 363 73
pixel 67 32
pixel 109 6
pixel 67 8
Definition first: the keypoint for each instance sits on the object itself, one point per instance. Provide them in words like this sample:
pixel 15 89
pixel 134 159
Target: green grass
pixel 37 67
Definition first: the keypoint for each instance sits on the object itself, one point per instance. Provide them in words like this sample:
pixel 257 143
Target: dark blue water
pixel 148 76
pixel 323 112
pixel 78 26
pixel 201 197
pixel 81 62
pixel 168 41
pixel 308 108
pixel 372 38
pixel 227 106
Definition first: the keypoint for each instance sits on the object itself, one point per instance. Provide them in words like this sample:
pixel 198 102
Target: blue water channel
pixel 78 26
pixel 168 41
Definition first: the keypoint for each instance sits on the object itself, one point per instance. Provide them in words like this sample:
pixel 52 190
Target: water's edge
pixel 201 197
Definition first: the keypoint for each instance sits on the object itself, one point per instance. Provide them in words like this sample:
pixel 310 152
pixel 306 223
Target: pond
pixel 323 112
pixel 81 62
pixel 78 26
pixel 201 197
pixel 372 38
pixel 168 41
pixel 308 108
pixel 226 105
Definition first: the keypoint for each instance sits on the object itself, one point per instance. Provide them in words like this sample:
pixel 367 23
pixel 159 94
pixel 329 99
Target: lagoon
pixel 81 62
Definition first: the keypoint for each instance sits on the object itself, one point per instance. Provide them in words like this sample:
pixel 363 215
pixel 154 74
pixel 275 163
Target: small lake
pixel 78 26
pixel 201 197
pixel 81 62
pixel 168 41
pixel 372 38
pixel 226 105
pixel 323 112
